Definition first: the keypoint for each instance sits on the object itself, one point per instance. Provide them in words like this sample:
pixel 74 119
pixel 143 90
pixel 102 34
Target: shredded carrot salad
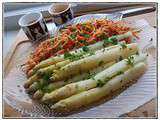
pixel 76 36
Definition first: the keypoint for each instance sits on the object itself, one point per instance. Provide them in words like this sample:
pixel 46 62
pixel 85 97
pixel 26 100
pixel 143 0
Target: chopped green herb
pixel 119 72
pixel 101 63
pixel 123 45
pixel 84 42
pixel 91 53
pixel 72 57
pixel 85 48
pixel 47 89
pixel 46 77
pixel 130 60
pixel 85 35
pixel 90 76
pixel 67 55
pixel 66 81
pixel 36 85
pixel 75 51
pixel 108 78
pixel 43 82
pixel 112 40
pixel 73 36
pixel 105 42
pixel 100 83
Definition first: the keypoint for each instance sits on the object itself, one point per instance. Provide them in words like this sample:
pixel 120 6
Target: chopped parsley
pixel 85 35
pixel 91 53
pixel 73 36
pixel 43 82
pixel 112 40
pixel 67 55
pixel 36 85
pixel 100 83
pixel 84 42
pixel 66 81
pixel 130 60
pixel 48 89
pixel 91 76
pixel 85 48
pixel 119 72
pixel 46 76
pixel 72 57
pixel 123 45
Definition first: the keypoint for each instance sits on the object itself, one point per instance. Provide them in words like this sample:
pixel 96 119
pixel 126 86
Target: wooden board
pixel 22 44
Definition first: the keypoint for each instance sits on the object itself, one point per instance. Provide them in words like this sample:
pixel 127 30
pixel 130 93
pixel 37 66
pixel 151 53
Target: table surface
pixel 147 110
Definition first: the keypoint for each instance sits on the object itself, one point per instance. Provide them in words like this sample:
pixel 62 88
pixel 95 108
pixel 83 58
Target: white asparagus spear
pixel 36 77
pixel 77 87
pixel 30 80
pixel 93 95
pixel 50 68
pixel 125 35
pixel 93 61
pixel 60 58
pixel 52 86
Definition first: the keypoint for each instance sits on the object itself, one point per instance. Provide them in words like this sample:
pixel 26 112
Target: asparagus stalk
pixel 31 80
pixel 99 79
pixel 58 84
pixel 38 94
pixel 49 69
pixel 95 94
pixel 60 58
pixel 45 71
pixel 93 61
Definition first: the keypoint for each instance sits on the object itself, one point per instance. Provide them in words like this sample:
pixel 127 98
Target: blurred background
pixel 13 11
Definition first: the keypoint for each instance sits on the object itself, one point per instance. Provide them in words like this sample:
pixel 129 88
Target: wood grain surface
pixel 147 110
